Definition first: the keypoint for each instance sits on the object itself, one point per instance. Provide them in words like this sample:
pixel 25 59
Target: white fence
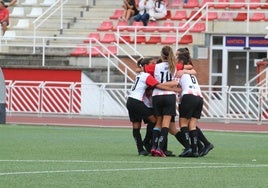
pixel 229 104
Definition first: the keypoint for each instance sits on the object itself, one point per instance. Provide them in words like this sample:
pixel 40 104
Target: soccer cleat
pixel 186 152
pixel 169 153
pixel 195 154
pixel 200 149
pixel 206 149
pixel 153 152
pixel 144 153
pixel 160 153
pixel 147 146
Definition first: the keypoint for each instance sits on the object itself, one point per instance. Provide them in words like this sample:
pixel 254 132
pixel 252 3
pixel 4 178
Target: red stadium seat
pixel 265 6
pixel 154 40
pixel 241 16
pixel 193 12
pixel 92 35
pixel 175 3
pixel 225 4
pixel 198 27
pixel 105 26
pixel 207 1
pixel 181 28
pixel 117 14
pixel 257 16
pixel 111 50
pixel 167 27
pixel 126 38
pixel 121 24
pixel 150 27
pixel 211 16
pixel 191 4
pixel 136 24
pixel 79 51
pixel 255 5
pixel 238 4
pixel 139 39
pixel 108 38
pixel 186 39
pixel 226 16
pixel 169 39
pixel 179 15
pixel 82 51
pixel 95 51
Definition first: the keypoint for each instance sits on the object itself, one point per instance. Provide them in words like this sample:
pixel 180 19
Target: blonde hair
pixel 168 56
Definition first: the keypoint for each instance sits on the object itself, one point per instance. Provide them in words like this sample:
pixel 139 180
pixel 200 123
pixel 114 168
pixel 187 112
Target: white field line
pixel 204 166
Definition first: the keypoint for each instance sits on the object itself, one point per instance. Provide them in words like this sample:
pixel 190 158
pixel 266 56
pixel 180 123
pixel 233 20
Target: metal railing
pixel 229 104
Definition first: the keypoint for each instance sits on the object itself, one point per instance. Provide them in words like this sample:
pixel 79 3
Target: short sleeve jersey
pixel 142 81
pixel 162 75
pixel 189 85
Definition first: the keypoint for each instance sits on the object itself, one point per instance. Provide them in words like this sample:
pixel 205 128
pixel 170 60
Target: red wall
pixel 42 74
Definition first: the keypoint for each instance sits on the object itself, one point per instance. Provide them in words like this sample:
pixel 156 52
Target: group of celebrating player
pixel 159 84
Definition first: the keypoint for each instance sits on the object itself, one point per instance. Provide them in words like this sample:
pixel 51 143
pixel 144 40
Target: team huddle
pixel 160 86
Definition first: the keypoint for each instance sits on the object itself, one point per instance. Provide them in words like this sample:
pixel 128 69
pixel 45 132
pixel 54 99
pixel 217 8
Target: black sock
pixel 179 137
pixel 165 145
pixel 149 133
pixel 193 137
pixel 138 140
pixel 156 135
pixel 163 138
pixel 202 137
pixel 185 137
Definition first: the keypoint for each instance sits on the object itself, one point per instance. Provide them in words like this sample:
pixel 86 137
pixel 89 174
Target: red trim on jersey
pixel 179 66
pixel 149 69
pixel 151 81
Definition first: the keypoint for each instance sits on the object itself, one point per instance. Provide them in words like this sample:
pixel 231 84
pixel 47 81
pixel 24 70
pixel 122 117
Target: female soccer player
pixel 190 108
pixel 136 107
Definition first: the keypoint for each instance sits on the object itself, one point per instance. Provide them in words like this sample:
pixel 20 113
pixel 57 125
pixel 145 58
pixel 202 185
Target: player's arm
pixel 168 86
pixel 187 69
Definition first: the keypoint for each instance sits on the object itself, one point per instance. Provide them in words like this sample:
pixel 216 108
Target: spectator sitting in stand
pixel 130 10
pixel 158 11
pixel 144 7
pixel 4 17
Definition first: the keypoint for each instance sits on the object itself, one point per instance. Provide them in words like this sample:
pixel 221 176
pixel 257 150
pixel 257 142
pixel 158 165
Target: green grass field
pixel 75 157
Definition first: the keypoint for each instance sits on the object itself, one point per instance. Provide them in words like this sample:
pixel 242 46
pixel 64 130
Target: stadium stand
pixel 94 35
pixel 22 24
pixel 241 16
pixel 211 16
pixel 222 4
pixel 198 27
pixel 17 12
pixel 207 1
pixel 256 5
pixel 154 40
pixel 186 39
pixel 117 14
pixel 191 4
pixel 108 38
pixel 237 4
pixel 47 2
pixel 257 16
pixel 179 15
pixel 168 26
pixel 35 12
pixel 29 2
pixel 106 26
